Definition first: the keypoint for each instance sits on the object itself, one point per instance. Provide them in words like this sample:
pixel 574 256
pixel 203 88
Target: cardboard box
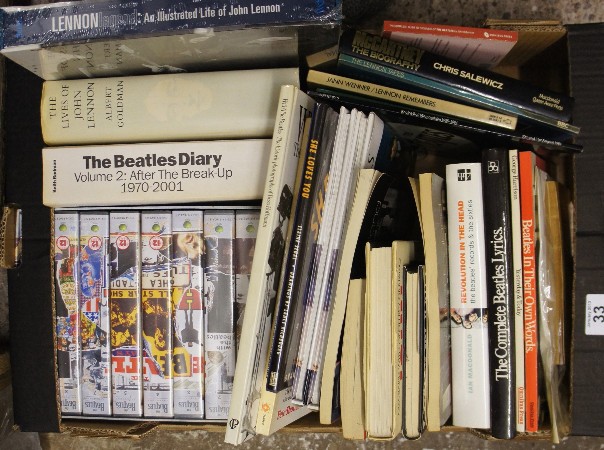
pixel 33 357
pixel 587 86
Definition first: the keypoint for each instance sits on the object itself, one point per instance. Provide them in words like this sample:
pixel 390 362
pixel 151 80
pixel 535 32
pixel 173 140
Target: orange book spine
pixel 529 283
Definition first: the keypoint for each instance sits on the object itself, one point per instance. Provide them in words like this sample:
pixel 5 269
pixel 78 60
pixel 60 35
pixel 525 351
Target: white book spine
pixel 125 301
pixel 518 289
pixel 219 231
pixel 66 254
pixel 156 293
pixel 159 173
pixel 293 107
pixel 188 313
pixel 186 106
pixel 467 278
pixel 94 301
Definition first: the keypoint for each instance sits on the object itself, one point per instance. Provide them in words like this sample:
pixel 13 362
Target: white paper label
pixel 594 314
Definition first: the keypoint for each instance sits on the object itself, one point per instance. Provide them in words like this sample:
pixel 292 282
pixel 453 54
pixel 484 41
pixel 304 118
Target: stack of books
pixel 411 220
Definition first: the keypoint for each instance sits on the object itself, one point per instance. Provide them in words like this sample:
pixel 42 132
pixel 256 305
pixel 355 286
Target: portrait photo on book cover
pixel 469 317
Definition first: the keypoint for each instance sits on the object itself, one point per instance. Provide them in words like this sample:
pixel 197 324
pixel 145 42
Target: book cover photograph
pixel 156 286
pixel 125 301
pixel 67 307
pixel 188 262
pixel 95 326
pixel 219 231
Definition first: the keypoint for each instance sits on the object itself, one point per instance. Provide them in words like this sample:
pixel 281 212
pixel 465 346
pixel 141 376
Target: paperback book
pixel 294 106
pixel 498 250
pixel 67 308
pixel 188 313
pixel 408 59
pixel 126 321
pixel 471 406
pixel 157 330
pixel 95 325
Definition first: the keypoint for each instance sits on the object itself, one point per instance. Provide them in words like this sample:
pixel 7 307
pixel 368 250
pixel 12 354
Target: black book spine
pixel 317 160
pixel 406 58
pixel 497 216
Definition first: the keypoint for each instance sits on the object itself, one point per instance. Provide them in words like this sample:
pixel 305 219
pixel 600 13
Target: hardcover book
pixel 188 365
pixel 402 57
pixel 157 173
pixel 183 51
pixel 95 326
pixel 146 108
pixel 293 107
pixel 471 406
pixel 67 308
pixel 82 21
pixel 219 231
pixel 500 291
pixel 125 298
pixel 157 330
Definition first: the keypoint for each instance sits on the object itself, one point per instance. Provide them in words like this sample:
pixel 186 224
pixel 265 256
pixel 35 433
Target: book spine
pixel 556 139
pixel 188 363
pixel 94 301
pixel 277 410
pixel 529 283
pixel 373 71
pixel 246 229
pixel 457 74
pixel 156 289
pixel 125 300
pixel 219 231
pixel 293 108
pixel 500 291
pixel 57 24
pixel 317 159
pixel 69 355
pixel 468 307
pixel 149 108
pixel 138 174
pixel 401 97
pixel 516 229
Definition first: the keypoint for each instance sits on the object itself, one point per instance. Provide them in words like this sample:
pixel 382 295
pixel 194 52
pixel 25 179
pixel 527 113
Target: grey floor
pixel 367 14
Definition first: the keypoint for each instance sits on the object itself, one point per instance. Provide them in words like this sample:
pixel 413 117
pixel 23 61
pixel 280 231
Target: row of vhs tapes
pixel 147 310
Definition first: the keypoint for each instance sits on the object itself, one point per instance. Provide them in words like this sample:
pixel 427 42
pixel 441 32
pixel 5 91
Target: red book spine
pixel 529 283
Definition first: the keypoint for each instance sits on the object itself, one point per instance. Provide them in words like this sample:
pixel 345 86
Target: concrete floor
pixel 368 14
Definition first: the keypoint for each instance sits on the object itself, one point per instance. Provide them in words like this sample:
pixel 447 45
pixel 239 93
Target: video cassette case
pixel 156 251
pixel 246 229
pixel 188 262
pixel 125 305
pixel 219 231
pixel 66 249
pixel 95 324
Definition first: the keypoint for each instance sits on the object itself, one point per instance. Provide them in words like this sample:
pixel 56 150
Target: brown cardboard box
pixel 36 405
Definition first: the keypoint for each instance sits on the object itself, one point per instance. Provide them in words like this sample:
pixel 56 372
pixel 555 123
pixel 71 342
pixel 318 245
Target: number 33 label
pixel 594 314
